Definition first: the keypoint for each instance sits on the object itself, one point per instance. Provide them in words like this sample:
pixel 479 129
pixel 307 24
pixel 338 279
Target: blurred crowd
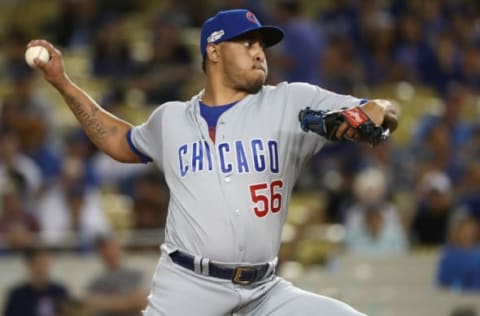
pixel 118 290
pixel 422 192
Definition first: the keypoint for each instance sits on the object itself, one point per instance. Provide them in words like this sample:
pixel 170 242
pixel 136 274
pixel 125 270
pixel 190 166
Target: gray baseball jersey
pixel 229 198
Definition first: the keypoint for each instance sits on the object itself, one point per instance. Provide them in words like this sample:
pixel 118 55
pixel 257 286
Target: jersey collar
pixel 194 106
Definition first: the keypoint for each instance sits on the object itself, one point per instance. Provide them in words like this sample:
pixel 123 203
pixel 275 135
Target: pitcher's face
pixel 244 62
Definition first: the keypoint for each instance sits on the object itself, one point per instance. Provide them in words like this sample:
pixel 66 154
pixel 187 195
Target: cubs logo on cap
pixel 226 25
pixel 251 17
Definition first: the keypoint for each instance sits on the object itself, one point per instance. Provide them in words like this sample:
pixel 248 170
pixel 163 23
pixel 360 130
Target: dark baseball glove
pixel 326 123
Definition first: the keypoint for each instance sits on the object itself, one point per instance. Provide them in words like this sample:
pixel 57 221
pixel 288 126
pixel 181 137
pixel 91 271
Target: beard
pixel 246 81
pixel 251 87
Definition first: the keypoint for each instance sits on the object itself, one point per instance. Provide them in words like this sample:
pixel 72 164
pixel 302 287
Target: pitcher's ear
pixel 212 53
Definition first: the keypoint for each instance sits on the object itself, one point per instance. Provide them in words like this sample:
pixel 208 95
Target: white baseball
pixel 36 52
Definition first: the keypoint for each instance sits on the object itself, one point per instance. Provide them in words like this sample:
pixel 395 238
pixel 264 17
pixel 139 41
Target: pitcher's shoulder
pixel 292 92
pixel 169 107
pixel 176 105
pixel 290 87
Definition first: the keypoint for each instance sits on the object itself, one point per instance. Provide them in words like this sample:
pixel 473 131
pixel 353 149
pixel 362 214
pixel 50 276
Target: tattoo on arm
pixel 92 124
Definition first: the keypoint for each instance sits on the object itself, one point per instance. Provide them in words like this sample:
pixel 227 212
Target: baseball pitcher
pixel 230 155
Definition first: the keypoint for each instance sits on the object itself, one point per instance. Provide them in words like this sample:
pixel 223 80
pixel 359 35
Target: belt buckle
pixel 237 277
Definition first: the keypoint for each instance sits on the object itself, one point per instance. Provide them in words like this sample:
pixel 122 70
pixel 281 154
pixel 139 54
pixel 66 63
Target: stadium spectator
pixel 70 213
pixel 39 295
pixel 333 172
pixel 440 137
pixel 443 62
pixel 163 77
pixel 471 67
pixel 13 45
pixel 432 18
pixel 434 152
pixel 78 147
pixel 339 67
pixel 150 201
pixel 76 23
pixel 468 191
pixel 18 227
pixel 13 161
pixel 298 56
pixel 459 265
pixel 434 208
pixel 410 49
pixel 112 56
pixel 373 226
pixel 192 12
pixel 33 120
pixel 378 41
pixel 464 310
pixel 119 290
pixel 341 20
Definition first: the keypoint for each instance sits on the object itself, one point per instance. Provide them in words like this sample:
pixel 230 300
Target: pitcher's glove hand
pixel 326 123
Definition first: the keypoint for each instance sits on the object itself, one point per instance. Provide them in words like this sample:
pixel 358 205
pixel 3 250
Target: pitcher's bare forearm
pixel 105 130
pixel 87 113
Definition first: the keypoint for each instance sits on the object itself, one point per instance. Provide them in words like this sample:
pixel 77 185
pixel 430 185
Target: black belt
pixel 243 275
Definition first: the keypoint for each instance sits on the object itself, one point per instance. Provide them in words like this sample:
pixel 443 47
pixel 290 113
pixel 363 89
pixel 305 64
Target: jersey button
pixel 237 212
pixel 228 179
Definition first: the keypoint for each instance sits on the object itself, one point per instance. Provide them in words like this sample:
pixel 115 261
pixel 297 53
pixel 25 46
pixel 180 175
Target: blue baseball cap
pixel 226 25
